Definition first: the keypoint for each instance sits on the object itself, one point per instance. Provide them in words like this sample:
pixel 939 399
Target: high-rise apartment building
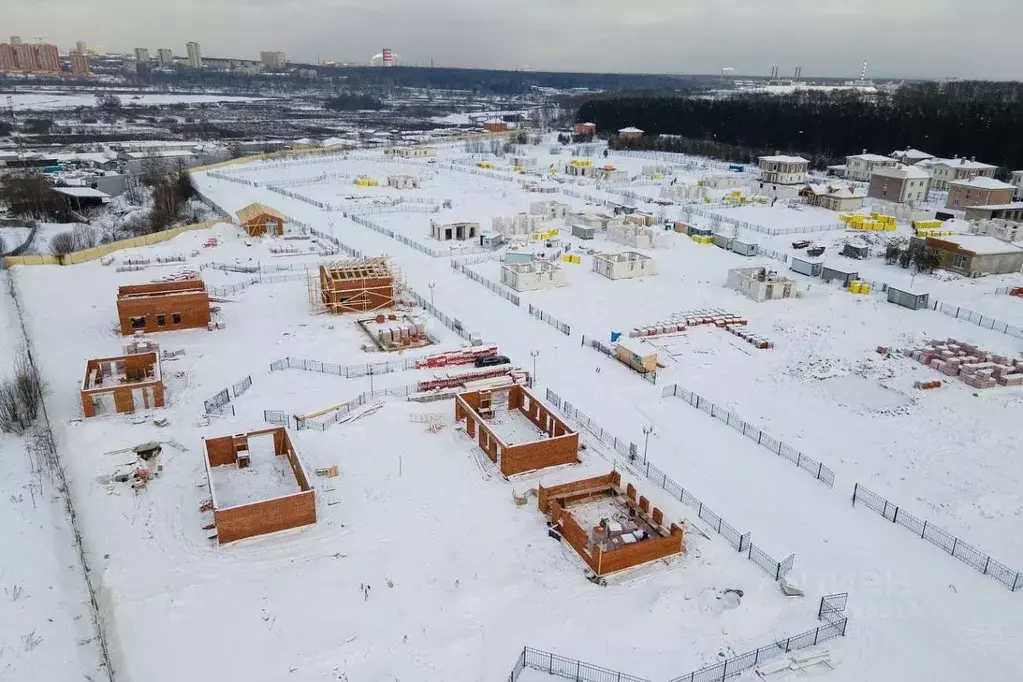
pixel 142 55
pixel 8 62
pixel 194 56
pixel 80 67
pixel 166 57
pixel 47 57
pixel 15 40
pixel 273 60
pixel 25 56
pixel 81 47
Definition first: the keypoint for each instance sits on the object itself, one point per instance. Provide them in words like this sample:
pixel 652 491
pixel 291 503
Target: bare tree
pixel 62 243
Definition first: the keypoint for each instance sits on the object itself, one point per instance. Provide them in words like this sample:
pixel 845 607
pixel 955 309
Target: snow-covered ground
pixel 460 577
pixel 47 102
pixel 46 626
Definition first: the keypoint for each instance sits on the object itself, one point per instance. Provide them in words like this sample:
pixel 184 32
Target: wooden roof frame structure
pixel 254 210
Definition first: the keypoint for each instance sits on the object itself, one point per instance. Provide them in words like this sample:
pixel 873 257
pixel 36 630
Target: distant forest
pixel 968 118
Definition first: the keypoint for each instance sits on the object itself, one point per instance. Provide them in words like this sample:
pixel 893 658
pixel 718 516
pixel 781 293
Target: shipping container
pixel 907 299
pixel 744 248
pixel 810 268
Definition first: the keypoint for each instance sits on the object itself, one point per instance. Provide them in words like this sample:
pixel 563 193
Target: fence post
pixel 799 458
pixel 820 467
pixel 955 543
pixel 895 519
pixel 577 664
pixel 816 633
pixel 986 564
pixel 777 576
pixel 855 490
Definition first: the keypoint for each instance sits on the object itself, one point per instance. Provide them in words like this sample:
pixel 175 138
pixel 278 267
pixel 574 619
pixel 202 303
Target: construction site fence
pixel 741 542
pixel 966 553
pixel 761 251
pixel 451 323
pixel 550 319
pixel 985 321
pixel 213 405
pixel 229 289
pixel 835 623
pixel 76 257
pixel 808 464
pixel 606 350
pixel 276 417
pixel 257 267
pixel 242 386
pixel 772 231
pixel 490 284
pixel 347 371
pixel 338 413
pixel 569 668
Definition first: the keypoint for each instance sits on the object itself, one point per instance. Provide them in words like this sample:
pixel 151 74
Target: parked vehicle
pixel 491 360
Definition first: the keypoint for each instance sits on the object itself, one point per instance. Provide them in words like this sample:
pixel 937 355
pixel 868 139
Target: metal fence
pixel 354 253
pixel 569 668
pixel 550 319
pixel 811 466
pixel 606 350
pixel 985 321
pixel 230 289
pixel 325 421
pixel 834 626
pixel 451 323
pixel 773 231
pixel 490 284
pixel 213 404
pixel 347 371
pixel 960 550
pixel 276 417
pixel 742 542
pixel 242 386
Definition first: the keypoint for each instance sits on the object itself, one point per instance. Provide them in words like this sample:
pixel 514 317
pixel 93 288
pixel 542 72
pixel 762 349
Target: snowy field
pixel 460 577
pixel 44 101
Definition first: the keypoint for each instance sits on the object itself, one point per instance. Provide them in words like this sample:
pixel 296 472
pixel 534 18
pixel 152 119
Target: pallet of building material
pixel 749 337
pixel 327 472
pixel 927 385
pixel 464 356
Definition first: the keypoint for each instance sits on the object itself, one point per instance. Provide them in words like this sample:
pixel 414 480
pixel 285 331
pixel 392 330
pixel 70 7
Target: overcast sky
pixel 901 38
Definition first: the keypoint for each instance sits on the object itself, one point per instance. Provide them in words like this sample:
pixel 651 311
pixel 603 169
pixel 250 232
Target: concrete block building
pixel 623 265
pixel 759 284
pixel 461 231
pixel 538 274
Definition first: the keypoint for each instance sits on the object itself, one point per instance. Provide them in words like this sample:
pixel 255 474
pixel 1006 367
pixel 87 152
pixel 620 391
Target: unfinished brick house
pixel 258 484
pixel 357 286
pixel 163 307
pixel 608 527
pixel 259 219
pixel 516 431
pixel 121 384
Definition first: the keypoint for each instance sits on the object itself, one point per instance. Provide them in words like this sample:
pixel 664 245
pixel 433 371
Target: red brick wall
pixel 539 455
pixel 573 533
pixel 270 516
pixel 194 309
pixel 639 553
pixel 546 496
pixel 221 451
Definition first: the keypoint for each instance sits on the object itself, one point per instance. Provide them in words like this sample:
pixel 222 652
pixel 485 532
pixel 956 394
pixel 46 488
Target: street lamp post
pixel 534 353
pixel 431 285
pixel 647 430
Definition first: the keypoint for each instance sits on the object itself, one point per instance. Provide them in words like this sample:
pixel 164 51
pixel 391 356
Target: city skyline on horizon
pixel 928 39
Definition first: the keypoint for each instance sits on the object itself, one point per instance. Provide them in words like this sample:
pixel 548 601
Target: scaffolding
pixel 355 286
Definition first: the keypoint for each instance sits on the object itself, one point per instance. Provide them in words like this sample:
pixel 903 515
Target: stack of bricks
pixel 719 319
pixel 748 336
pixel 1016 291
pixel 974 366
